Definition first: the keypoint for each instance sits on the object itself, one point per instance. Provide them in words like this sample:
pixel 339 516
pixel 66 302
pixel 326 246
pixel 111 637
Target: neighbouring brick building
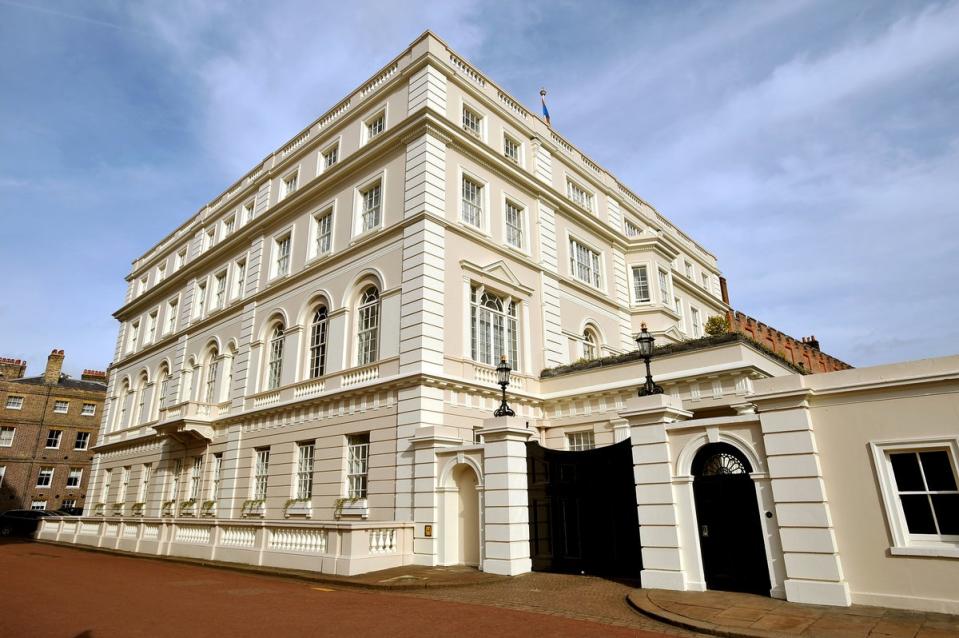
pixel 804 353
pixel 48 427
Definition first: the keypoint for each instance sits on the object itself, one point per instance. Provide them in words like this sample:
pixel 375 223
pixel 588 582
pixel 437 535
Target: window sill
pixel 479 230
pixel 363 235
pixel 932 552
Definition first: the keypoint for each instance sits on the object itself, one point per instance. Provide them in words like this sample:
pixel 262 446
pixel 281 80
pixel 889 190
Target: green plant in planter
pixel 252 504
pixel 208 505
pixel 118 507
pixel 98 509
pixel 340 502
pixel 187 505
pixel 138 508
pixel 293 501
pixel 167 507
pixel 717 325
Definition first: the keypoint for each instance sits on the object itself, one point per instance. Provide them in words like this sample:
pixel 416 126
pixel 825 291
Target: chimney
pixel 12 368
pixel 724 290
pixel 812 342
pixel 94 375
pixel 54 365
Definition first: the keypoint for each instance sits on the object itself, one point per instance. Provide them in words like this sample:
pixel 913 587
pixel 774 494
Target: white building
pixel 305 370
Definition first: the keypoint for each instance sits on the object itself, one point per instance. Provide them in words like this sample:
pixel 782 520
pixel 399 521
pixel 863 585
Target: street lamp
pixel 502 377
pixel 645 343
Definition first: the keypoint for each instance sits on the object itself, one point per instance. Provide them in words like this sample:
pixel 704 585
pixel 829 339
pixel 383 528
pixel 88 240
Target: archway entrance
pixel 461 518
pixel 730 530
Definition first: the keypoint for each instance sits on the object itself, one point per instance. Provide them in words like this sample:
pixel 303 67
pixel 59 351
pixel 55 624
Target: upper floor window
pixel 323 230
pixel 229 225
pixel 210 239
pixel 195 475
pixel 640 284
pixel 215 479
pixel 590 344
pixel 275 365
pixel 678 307
pixel 288 186
pixel 688 269
pixel 73 478
pixel 45 477
pixel 697 323
pixel 511 148
pixel 212 370
pixel 6 435
pixel 248 212
pixel 375 125
pixel 579 441
pixel 219 290
pixel 142 285
pixel 318 330
pixel 14 402
pixel 472 202
pixel 281 264
pixel 664 294
pixel 330 156
pixel 631 229
pixel 161 273
pixel 61 407
pixel 200 299
pixel 705 280
pixel 179 259
pixel 472 122
pixel 171 309
pixel 134 336
pixel 82 441
pixel 152 326
pixel 368 324
pixel 579 195
pixel 494 328
pixel 239 278
pixel 89 409
pixel 53 439
pixel 584 263
pixel 515 225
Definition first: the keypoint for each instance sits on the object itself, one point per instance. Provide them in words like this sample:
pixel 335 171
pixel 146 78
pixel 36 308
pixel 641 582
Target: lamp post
pixel 645 343
pixel 502 377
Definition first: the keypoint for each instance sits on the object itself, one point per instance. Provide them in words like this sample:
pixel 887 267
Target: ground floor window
pixel 38 505
pixel 358 460
pixel 579 441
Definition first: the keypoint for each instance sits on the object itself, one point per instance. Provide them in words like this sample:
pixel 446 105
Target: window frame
pixel 260 479
pixel 321 213
pixel 479 132
pixel 200 293
pixel 57 404
pixel 512 327
pixel 520 151
pixel 359 201
pixel 248 209
pixel 304 470
pixel 74 472
pixel 221 298
pixel 171 315
pixel 333 147
pixel 357 458
pixel 92 412
pixel 463 175
pixel 55 435
pixel 86 441
pixel 574 445
pixel 238 283
pixel 278 238
pixel 274 356
pixel 318 344
pixel 573 263
pixel 49 472
pixel 380 111
pixel 285 189
pixel 133 339
pixel 506 202
pixel 366 357
pixel 905 543
pixel 628 225
pixel 12 397
pixel 13 434
pixel 589 194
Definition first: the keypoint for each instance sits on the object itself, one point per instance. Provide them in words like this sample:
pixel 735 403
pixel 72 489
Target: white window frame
pixel 237 287
pixel 483 339
pixel 85 439
pixel 327 210
pixel 631 229
pixel 209 238
pixel 74 476
pixel 480 131
pixel 904 543
pixel 665 293
pixel 57 436
pixel 688 269
pixel 359 198
pixel 134 337
pixel 580 441
pixel 38 505
pixel 505 201
pixel 696 321
pixel 199 298
pixel 69 502
pixel 216 476
pixel 228 226
pixel 573 264
pixel 61 406
pixel 171 315
pixel 160 274
pixel 145 471
pixel 365 136
pixel 47 472
pixel 305 463
pixel 285 188
pixel 261 473
pixel 220 297
pixel 321 158
pixel 179 259
pixel 706 281
pixel 678 308
pixel 152 322
pixel 368 351
pixel 4 429
pixel 588 194
pixel 92 411
pixel 484 190
pixel 357 465
pixel 14 402
pixel 3 471
pixel 196 477
pixel 278 239
pixel 249 211
pixel 520 148
pixel 275 351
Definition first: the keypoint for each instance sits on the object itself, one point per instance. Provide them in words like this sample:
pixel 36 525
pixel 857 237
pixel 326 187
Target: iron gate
pixel 582 511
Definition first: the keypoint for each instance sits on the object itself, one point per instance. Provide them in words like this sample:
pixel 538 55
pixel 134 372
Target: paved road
pixel 55 591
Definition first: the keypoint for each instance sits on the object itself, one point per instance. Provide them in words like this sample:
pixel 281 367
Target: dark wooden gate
pixel 582 511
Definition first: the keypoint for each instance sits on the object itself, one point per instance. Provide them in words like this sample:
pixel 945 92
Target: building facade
pixel 48 428
pixel 306 369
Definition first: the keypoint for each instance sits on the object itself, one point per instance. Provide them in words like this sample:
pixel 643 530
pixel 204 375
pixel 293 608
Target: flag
pixel 542 97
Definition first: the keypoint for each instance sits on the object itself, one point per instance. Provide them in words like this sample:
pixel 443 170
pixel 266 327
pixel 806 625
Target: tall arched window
pixel 139 398
pixel 163 382
pixel 212 370
pixel 368 324
pixel 275 367
pixel 121 414
pixel 318 330
pixel 494 328
pixel 590 344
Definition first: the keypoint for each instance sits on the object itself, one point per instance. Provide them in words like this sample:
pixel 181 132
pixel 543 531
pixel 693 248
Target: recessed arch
pixel 321 297
pixel 364 278
pixel 684 462
pixel 445 480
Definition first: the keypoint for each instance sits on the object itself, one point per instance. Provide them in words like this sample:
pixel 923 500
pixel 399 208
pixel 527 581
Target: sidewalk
pixel 736 615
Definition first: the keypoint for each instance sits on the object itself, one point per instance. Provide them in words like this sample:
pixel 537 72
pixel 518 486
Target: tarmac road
pixel 56 591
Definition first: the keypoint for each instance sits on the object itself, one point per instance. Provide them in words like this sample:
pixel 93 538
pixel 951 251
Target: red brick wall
pixel 812 359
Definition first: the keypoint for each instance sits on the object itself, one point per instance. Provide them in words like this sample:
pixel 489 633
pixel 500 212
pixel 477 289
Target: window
pixel 375 125
pixel 229 224
pixel 472 202
pixel 152 326
pixel 304 470
pixel 688 269
pixel 209 238
pixel 143 490
pixel 323 229
pixel 472 122
pixel 141 285
pixel 14 402
pixel 171 309
pixel 248 212
pixel 195 475
pixel 579 195
pixel 330 156
pixel 61 407
pixel 200 299
pixel 219 291
pixel 697 325
pixel 678 306
pixel 358 458
pixel 371 198
pixel 3 470
pixel 318 330
pixel 239 279
pixel 927 492
pixel 69 502
pixel 511 149
pixel 38 505
pixel 105 486
pixel 514 225
pixel 73 478
pixel 88 409
pixel 579 441
pixel 215 483
pixel 124 482
pixel 584 263
pixel 174 483
pixel 163 386
pixel 179 259
pixel 590 344
pixel 212 368
pixel 289 184
pixel 6 435
pixel 53 439
pixel 134 336
pixel 261 473
pixel 82 441
pixel 281 247
pixel 45 477
pixel 631 229
pixel 705 277
pixel 664 295
pixel 275 366
pixel 368 323
pixel 493 327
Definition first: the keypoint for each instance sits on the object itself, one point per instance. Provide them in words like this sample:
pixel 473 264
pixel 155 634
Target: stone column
pixel 506 512
pixel 655 495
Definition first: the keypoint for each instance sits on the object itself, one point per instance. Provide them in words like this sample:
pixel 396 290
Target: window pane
pixel 906 468
pixel 947 512
pixel 938 470
pixel 918 513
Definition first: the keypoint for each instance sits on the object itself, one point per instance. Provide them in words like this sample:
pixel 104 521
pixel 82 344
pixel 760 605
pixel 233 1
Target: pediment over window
pixel 497 275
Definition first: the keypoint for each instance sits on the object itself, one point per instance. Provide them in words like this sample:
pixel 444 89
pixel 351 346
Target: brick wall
pixel 803 352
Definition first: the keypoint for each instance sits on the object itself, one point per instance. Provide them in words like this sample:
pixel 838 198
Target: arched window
pixel 212 370
pixel 139 399
pixel 493 327
pixel 275 367
pixel 318 330
pixel 368 324
pixel 163 382
pixel 590 344
pixel 121 415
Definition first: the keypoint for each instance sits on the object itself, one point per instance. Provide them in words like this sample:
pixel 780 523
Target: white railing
pixel 361 375
pixel 380 79
pixel 130 531
pixel 382 541
pixel 566 146
pixel 151 532
pixel 467 70
pixel 513 105
pixel 89 528
pixel 192 534
pixel 489 376
pixel 113 529
pixel 268 399
pixel 337 111
pixel 295 144
pixel 299 540
pixel 239 536
pixel 309 389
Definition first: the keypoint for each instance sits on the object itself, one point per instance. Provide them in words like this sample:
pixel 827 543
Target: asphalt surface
pixel 48 590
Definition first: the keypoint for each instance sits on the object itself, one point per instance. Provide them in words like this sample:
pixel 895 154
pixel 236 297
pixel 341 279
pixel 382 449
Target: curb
pixel 277 572
pixel 639 600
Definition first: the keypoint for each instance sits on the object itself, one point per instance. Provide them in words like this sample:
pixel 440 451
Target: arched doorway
pixel 461 518
pixel 730 530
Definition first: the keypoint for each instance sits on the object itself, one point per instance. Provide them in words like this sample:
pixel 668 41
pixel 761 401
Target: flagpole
pixel 542 98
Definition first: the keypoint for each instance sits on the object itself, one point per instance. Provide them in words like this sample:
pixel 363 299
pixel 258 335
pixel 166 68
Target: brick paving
pixel 747 616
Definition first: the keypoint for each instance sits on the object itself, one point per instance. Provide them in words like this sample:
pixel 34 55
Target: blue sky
pixel 813 146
